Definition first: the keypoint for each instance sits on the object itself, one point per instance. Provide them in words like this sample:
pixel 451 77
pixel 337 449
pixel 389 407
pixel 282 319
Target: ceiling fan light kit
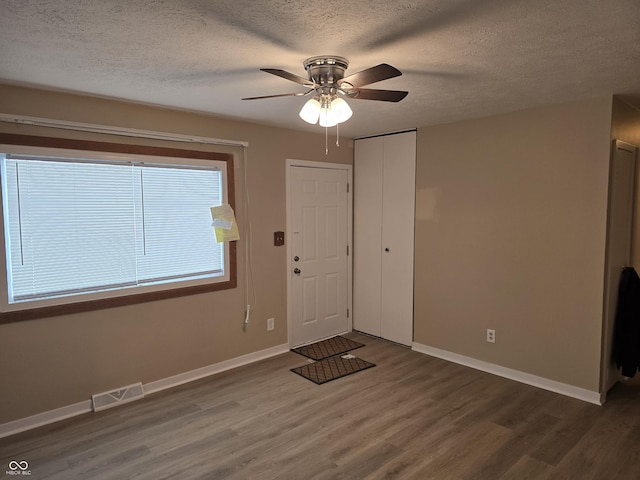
pixel 329 111
pixel 327 81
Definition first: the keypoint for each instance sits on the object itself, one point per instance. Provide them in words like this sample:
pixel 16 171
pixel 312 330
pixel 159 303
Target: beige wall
pixel 510 235
pixel 625 126
pixel 55 362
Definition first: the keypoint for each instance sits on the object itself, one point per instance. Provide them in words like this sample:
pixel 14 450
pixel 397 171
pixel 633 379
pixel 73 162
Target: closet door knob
pixel 386 249
pixel 296 271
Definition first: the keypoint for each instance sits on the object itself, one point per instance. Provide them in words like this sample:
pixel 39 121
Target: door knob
pixel 296 258
pixel 296 271
pixel 386 249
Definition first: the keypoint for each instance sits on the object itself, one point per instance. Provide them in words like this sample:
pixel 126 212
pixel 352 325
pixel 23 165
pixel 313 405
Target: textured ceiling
pixel 460 58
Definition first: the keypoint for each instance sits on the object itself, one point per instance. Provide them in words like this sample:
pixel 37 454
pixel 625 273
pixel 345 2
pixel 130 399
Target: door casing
pixel 618 250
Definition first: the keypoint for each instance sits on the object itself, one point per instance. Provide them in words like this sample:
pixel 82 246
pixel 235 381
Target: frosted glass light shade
pixel 337 111
pixel 311 111
pixel 327 119
pixel 341 110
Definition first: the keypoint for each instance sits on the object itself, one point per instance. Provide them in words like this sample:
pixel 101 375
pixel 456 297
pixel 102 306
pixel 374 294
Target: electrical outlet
pixel 271 324
pixel 491 335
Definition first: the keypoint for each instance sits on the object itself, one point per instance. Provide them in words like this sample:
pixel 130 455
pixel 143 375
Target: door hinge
pixel 347 313
pixel 347 187
pixel 347 250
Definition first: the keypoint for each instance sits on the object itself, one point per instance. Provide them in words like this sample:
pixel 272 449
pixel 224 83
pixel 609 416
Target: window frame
pixel 126 298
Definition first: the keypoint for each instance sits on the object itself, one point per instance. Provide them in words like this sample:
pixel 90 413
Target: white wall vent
pixel 102 401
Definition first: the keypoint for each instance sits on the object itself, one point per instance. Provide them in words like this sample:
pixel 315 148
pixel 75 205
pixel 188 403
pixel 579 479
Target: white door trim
pixel 289 240
pixel 609 373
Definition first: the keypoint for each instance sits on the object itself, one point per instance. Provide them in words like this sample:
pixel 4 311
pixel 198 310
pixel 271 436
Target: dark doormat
pixel 328 348
pixel 332 368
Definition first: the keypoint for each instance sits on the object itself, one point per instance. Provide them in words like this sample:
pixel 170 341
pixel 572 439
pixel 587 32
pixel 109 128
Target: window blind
pixel 81 225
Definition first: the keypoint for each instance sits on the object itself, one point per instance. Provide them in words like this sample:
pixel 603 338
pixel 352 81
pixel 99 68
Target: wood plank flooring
pixel 410 417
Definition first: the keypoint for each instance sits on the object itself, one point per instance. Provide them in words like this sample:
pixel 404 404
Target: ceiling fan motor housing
pixel 326 70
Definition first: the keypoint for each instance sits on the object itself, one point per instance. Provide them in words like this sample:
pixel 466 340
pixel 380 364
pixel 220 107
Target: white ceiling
pixel 460 58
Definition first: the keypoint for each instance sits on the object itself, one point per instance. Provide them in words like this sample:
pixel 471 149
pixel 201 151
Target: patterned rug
pixel 328 348
pixel 332 368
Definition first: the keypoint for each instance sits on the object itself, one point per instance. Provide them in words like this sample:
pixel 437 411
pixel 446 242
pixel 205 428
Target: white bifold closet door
pixel 384 210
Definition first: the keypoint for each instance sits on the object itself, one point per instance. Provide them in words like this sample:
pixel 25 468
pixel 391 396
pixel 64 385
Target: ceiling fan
pixel 327 81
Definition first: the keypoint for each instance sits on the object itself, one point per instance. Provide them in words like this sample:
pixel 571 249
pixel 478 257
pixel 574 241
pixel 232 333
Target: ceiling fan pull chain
pixel 326 140
pixel 337 134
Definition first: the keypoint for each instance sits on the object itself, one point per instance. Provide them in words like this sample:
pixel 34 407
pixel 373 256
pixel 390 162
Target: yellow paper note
pixel 224 224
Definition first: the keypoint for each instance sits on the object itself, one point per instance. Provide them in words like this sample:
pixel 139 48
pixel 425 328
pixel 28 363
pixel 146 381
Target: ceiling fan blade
pixel 290 76
pixel 371 75
pixel 299 94
pixel 371 94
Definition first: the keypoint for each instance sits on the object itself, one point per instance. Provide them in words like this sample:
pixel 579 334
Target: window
pixel 89 227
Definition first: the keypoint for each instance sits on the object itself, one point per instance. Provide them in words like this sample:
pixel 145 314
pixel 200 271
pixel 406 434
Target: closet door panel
pixel 398 211
pixel 367 241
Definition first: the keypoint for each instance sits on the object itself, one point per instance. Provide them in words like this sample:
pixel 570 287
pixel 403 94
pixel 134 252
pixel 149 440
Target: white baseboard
pixel 522 377
pixel 45 418
pixel 182 378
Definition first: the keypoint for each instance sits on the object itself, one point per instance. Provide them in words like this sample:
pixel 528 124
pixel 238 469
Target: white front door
pixel 319 233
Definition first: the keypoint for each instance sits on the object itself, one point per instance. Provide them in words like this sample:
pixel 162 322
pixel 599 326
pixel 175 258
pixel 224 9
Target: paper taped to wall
pixel 224 224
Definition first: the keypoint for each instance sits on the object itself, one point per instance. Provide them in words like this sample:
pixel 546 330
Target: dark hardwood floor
pixel 410 417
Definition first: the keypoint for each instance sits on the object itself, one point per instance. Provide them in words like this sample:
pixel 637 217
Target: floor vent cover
pixel 102 401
